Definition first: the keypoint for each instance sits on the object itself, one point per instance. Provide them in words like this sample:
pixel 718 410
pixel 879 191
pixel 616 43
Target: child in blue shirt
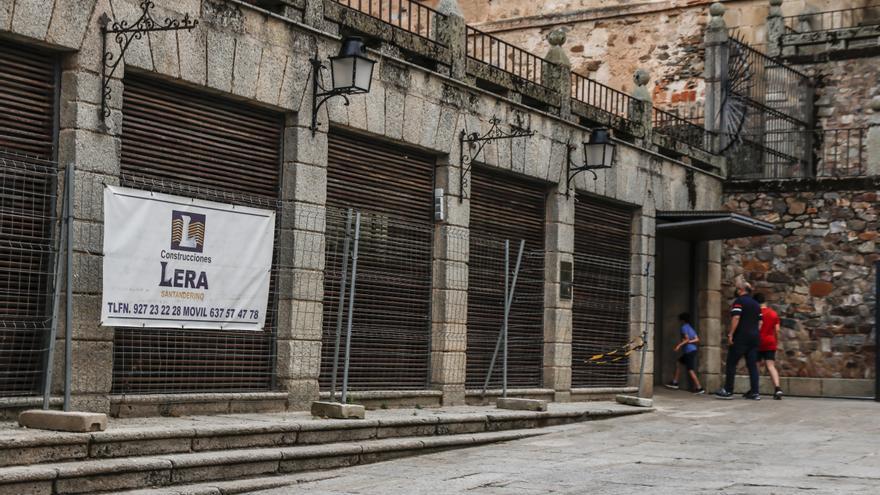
pixel 688 358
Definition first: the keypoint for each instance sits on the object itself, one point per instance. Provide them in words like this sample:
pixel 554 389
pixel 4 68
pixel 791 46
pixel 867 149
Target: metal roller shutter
pixel 602 269
pixel 392 187
pixel 505 207
pixel 182 142
pixel 28 95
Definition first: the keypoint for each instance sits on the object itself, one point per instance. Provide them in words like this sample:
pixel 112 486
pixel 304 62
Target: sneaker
pixel 672 385
pixel 778 394
pixel 751 396
pixel 700 391
pixel 723 394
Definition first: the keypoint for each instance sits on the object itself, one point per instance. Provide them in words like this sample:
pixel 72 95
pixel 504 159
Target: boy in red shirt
pixel 767 342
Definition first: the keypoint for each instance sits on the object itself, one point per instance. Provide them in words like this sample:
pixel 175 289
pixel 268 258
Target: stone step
pixel 135 473
pixel 162 436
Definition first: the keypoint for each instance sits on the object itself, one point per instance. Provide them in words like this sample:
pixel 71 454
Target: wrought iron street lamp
pixel 351 73
pixel 598 155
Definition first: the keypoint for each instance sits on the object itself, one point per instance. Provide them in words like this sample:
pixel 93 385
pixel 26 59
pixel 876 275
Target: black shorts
pixel 766 355
pixel 689 360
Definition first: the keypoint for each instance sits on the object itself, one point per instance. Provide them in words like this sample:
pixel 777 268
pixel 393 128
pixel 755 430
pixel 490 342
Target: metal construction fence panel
pixel 390 308
pixel 29 230
pixel 173 360
pixel 486 315
pixel 601 321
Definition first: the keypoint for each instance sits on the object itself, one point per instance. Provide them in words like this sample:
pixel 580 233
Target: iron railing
pixel 768 83
pixel 500 54
pixel 608 100
pixel 408 15
pixel 688 131
pixel 800 154
pixel 833 19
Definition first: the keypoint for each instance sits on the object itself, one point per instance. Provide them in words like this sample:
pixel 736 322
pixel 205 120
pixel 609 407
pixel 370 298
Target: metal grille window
pixel 28 195
pixel 392 188
pixel 602 268
pixel 505 207
pixel 182 142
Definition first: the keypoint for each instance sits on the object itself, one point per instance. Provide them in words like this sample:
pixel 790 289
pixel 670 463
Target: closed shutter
pixel 392 187
pixel 602 269
pixel 28 88
pixel 504 207
pixel 183 142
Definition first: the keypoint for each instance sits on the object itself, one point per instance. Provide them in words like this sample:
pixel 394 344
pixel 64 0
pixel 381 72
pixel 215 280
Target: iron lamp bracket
pixel 474 142
pixel 124 33
pixel 320 95
pixel 572 169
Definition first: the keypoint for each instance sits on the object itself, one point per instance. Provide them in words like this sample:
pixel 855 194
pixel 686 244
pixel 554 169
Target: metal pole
pixel 354 269
pixel 341 310
pixel 68 318
pixel 56 302
pixel 645 331
pixel 506 313
pixel 507 304
pixel 877 331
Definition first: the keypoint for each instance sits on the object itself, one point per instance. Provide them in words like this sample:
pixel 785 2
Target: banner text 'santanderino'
pixel 176 262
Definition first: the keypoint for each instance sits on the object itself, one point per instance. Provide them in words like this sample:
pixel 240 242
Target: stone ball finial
pixel 556 37
pixel 556 54
pixel 717 9
pixel 641 77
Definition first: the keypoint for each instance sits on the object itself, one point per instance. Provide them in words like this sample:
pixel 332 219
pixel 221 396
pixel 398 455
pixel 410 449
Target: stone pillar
pixel 717 49
pixel 644 108
pixel 558 74
pixel 452 33
pixel 91 145
pixel 708 267
pixel 873 139
pixel 302 240
pixel 559 248
pixel 775 29
pixel 450 284
pixel 642 288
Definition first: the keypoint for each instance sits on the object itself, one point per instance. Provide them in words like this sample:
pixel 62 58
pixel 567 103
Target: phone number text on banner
pixel 176 262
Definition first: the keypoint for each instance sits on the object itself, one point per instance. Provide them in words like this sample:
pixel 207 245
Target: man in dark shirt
pixel 743 339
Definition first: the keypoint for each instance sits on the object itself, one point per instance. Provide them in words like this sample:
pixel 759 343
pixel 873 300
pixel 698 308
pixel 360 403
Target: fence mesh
pixel 391 321
pixel 28 250
pixel 600 323
pixel 485 314
pixel 162 361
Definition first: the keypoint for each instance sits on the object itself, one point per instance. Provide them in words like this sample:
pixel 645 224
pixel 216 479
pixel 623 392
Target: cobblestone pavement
pixel 690 445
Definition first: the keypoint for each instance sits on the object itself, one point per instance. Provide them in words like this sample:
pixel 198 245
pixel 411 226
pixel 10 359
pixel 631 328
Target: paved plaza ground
pixel 689 445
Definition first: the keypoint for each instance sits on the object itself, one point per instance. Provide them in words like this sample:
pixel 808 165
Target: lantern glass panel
pixel 363 75
pixel 594 154
pixel 342 71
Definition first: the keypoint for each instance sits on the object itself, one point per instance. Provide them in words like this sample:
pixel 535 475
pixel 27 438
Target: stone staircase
pixel 240 453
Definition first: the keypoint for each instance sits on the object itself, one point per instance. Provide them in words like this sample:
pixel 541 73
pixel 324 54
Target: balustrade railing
pixel 408 15
pixel 502 55
pixel 604 98
pixel 812 22
pixel 687 131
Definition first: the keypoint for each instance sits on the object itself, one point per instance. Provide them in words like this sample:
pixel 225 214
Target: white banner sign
pixel 176 262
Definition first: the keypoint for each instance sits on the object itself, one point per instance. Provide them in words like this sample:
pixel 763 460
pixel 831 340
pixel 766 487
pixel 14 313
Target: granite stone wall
pixel 817 273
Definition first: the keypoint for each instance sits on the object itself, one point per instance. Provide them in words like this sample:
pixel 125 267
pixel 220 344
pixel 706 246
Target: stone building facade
pixel 610 40
pixel 818 267
pixel 254 56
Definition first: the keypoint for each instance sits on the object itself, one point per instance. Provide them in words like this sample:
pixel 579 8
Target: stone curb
pixel 164 470
pixel 164 441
